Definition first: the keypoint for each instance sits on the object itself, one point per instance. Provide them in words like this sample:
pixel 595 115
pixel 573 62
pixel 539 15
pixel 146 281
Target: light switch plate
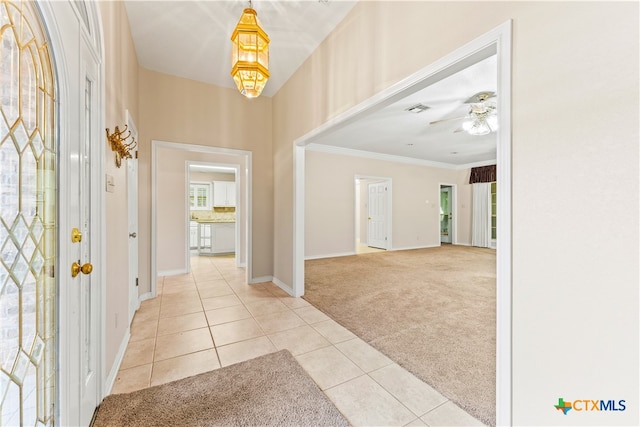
pixel 111 185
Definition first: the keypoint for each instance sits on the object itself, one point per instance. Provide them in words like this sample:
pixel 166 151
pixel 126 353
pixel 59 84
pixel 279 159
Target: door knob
pixel 76 268
pixel 134 235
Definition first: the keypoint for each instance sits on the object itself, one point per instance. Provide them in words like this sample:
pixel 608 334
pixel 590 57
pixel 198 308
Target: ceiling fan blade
pixel 446 120
pixel 458 130
pixel 480 97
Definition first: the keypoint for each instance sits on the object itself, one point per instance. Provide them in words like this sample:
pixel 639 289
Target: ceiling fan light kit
pixel 250 55
pixel 481 118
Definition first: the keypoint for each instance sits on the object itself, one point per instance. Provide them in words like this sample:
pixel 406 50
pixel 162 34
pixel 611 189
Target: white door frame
pixel 496 41
pixel 246 177
pixel 63 45
pixel 453 194
pixel 239 207
pixel 133 226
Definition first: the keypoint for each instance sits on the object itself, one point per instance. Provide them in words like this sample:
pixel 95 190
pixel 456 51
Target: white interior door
pixel 132 207
pixel 377 226
pixel 80 230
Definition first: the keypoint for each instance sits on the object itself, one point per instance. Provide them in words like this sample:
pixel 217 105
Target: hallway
pixel 211 318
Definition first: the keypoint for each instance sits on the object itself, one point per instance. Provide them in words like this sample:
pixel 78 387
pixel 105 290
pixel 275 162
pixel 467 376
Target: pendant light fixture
pixel 250 54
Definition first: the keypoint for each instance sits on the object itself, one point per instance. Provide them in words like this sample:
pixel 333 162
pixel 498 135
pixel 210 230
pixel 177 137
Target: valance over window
pixel 483 174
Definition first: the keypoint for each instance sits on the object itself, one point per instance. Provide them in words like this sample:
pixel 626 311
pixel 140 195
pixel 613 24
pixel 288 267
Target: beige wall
pixel 415 197
pixel 185 111
pixel 171 202
pixel 121 83
pixel 574 156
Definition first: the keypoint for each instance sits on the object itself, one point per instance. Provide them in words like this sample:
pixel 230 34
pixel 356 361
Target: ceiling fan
pixel 481 117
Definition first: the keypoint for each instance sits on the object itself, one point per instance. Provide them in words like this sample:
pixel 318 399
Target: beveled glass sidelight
pixel 28 147
pixel 250 55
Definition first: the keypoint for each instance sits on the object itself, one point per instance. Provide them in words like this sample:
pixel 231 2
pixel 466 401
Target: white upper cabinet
pixel 224 193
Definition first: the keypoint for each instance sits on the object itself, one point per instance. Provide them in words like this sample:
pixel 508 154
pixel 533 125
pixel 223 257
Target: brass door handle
pixel 76 268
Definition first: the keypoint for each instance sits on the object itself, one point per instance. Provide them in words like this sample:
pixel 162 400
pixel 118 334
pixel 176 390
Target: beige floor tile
pixel 168 346
pixel 147 313
pixel 185 366
pixel 184 322
pixel 206 275
pixel 449 414
pixel 419 397
pixel 178 279
pixel 332 331
pixel 138 353
pixel 177 309
pixel 227 314
pixel 150 304
pixel 276 290
pixel 299 340
pixel 267 306
pixel 365 403
pixel 292 302
pixel 328 367
pixel 188 295
pixel 178 288
pixel 362 354
pixel 249 295
pixel 311 314
pixel 220 302
pixel 143 329
pixel 245 350
pixel 132 379
pixel 239 330
pixel 214 289
pixel 276 322
pixel 416 423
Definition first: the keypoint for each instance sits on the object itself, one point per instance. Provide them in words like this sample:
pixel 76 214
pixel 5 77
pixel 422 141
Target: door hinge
pixel 136 281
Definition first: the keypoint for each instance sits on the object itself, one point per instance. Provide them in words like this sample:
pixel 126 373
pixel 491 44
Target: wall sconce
pixel 119 146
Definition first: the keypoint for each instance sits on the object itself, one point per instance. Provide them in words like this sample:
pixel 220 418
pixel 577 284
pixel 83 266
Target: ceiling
pixel 191 39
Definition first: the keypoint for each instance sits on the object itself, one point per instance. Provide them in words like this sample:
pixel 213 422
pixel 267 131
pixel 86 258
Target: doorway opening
pixel 179 157
pixel 447 213
pixel 212 210
pixel 496 42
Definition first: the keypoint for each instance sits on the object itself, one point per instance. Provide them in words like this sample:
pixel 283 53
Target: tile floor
pixel 212 318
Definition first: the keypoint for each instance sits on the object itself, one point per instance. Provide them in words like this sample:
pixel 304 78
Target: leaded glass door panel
pixel 27 219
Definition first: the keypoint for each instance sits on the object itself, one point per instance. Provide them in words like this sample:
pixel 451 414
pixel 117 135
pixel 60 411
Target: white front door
pixel 49 163
pixel 82 143
pixel 377 208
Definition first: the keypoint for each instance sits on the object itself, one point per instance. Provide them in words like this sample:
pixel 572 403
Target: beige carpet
pixel 271 390
pixel 433 311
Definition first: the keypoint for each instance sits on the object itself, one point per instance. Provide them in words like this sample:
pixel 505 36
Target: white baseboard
pixel 172 272
pixel 307 258
pixel 113 374
pixel 409 248
pixel 145 297
pixel 288 289
pixel 262 279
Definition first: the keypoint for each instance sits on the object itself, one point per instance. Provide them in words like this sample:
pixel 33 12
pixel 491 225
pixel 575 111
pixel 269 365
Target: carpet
pixel 432 311
pixel 271 390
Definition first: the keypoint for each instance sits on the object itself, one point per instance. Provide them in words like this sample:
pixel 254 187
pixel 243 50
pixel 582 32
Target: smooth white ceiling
pixel 191 39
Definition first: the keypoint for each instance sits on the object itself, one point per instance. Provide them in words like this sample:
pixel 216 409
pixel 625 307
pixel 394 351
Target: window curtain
pixel 483 174
pixel 481 215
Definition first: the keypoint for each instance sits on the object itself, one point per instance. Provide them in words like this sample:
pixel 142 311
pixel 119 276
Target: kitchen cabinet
pixel 224 193
pixel 193 235
pixel 224 238
pixel 215 238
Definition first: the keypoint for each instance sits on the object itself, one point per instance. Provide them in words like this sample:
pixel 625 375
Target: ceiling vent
pixel 418 108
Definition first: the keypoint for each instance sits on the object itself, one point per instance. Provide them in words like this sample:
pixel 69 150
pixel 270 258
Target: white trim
pixel 496 41
pixel 261 279
pixel 283 286
pixel 113 374
pixel 392 158
pixel 411 248
pixel 146 296
pixel 334 255
pixel 175 272
pixel 247 179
